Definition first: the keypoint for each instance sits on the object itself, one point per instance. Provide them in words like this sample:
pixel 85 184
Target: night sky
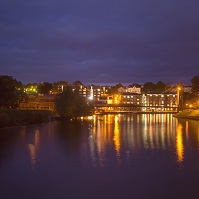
pixel 99 41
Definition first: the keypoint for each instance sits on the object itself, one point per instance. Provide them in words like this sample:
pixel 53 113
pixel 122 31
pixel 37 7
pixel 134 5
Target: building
pixel 160 101
pixel 95 93
pixel 146 102
pixel 130 89
pixel 131 98
pixel 38 102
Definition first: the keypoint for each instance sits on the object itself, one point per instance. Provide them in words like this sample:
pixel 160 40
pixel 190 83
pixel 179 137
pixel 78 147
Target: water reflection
pixel 179 144
pixel 132 133
pixel 157 131
pixel 121 154
pixel 33 149
pixel 116 137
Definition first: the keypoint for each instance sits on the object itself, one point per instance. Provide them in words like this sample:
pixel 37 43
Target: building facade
pixel 95 93
pixel 130 89
pixel 160 101
pixel 38 102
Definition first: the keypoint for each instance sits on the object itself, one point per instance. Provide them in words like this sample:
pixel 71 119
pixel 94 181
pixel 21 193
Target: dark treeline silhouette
pixel 69 104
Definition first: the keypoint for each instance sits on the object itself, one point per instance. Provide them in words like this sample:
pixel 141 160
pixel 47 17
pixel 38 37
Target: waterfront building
pixel 160 101
pixel 38 102
pixel 131 98
pixel 95 93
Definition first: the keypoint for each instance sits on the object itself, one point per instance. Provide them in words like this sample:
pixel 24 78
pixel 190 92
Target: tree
pixel 135 84
pixel 195 85
pixel 69 104
pixel 77 83
pixel 11 92
pixel 160 87
pixel 45 88
pixel 149 87
pixel 114 89
pixel 59 86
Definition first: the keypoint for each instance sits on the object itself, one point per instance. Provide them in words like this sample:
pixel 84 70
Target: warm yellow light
pixel 116 138
pixel 179 88
pixel 179 144
pixel 90 117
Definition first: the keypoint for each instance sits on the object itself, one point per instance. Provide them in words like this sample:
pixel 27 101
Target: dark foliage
pixel 160 87
pixel 69 104
pixel 114 89
pixel 45 88
pixel 17 117
pixel 11 92
pixel 195 85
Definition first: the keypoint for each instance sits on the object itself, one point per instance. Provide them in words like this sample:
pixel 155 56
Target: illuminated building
pixel 131 98
pixel 160 101
pixel 130 89
pixel 94 92
pixel 40 102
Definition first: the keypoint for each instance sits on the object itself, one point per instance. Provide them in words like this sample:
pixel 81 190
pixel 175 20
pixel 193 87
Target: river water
pixel 111 156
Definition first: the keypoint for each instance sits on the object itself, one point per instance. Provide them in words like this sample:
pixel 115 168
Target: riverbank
pixel 23 117
pixel 135 112
pixel 188 114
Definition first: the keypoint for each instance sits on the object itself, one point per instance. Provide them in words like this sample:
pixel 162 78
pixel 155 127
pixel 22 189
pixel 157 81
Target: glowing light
pixel 116 138
pixel 179 144
pixel 91 97
pixel 33 148
pixel 90 117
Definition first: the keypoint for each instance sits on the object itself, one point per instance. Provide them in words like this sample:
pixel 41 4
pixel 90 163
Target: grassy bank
pixel 18 117
pixel 188 114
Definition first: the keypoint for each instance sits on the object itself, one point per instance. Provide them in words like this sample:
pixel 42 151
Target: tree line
pixel 68 102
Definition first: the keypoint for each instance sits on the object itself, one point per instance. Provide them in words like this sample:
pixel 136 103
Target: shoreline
pixel 15 117
pixel 191 114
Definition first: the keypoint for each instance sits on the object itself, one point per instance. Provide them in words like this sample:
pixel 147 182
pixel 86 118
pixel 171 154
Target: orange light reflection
pixel 179 144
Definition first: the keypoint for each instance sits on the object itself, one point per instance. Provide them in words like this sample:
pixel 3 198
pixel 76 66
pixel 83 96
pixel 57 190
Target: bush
pixel 16 117
pixel 4 118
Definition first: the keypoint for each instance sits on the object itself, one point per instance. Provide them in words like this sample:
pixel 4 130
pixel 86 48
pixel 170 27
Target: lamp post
pixel 180 97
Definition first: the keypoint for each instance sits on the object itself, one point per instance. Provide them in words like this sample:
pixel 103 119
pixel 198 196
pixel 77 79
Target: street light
pixel 179 97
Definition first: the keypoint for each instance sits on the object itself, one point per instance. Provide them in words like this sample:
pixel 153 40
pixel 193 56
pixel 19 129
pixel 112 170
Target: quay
pixel 132 108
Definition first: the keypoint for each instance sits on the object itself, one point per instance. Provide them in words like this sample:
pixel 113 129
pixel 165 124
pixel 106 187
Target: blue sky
pixel 99 41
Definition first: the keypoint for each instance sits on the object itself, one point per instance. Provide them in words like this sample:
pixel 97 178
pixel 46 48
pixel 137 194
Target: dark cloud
pixel 99 41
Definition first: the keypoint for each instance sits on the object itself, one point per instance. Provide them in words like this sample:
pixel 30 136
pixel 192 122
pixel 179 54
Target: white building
pixel 130 89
